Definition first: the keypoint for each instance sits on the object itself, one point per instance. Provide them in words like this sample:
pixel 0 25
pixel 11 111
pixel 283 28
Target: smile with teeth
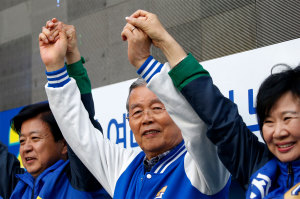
pixel 150 132
pixel 285 145
pixel 27 159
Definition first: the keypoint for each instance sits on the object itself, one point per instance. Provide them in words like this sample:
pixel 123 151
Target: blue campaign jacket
pixel 191 169
pixel 276 180
pixel 167 179
pixel 52 183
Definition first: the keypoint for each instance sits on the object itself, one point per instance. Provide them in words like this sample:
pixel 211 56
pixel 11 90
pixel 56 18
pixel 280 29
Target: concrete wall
pixel 207 28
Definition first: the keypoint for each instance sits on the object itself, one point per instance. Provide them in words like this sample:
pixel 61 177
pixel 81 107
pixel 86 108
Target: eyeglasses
pixel 140 113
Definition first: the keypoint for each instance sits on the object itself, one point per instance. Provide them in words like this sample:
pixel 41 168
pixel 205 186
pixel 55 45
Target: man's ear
pixel 64 151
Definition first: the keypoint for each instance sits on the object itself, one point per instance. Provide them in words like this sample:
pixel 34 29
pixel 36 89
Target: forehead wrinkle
pixel 156 100
pixel 152 101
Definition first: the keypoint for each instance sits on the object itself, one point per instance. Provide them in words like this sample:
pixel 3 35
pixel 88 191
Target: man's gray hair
pixel 137 83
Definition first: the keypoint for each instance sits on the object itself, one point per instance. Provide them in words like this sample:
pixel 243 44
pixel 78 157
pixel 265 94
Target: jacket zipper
pixel 290 180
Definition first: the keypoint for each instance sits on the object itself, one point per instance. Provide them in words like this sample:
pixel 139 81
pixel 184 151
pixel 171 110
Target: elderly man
pixel 176 161
pixel 52 168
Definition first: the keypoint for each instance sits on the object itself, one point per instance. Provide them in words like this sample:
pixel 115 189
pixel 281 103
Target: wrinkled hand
pixel 149 23
pixel 53 47
pixel 138 45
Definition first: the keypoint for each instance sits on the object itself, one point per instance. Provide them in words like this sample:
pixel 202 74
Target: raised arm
pixel 79 175
pixel 105 160
pixel 74 62
pixel 211 176
pixel 238 148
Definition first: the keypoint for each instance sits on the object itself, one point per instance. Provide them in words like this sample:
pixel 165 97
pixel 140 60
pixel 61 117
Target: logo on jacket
pixel 260 186
pixel 161 193
pixel 293 193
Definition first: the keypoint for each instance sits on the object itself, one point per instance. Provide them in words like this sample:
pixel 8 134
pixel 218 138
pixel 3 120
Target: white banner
pixel 238 77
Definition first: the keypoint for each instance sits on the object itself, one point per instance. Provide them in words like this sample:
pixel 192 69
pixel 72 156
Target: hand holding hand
pixel 138 45
pixel 53 49
pixel 73 54
pixel 149 23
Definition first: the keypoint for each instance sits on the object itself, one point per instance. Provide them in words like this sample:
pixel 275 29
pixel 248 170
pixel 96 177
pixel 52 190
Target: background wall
pixel 207 28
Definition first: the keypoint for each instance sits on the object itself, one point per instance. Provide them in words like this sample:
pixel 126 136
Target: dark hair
pixel 273 88
pixel 41 110
pixel 137 83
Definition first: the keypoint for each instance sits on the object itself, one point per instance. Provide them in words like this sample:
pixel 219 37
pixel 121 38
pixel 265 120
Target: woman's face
pixel 281 128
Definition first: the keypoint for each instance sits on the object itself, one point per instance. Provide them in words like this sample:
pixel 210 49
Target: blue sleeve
pixel 238 148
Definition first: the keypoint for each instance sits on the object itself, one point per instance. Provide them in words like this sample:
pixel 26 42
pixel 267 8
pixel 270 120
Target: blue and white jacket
pixel 276 180
pixel 190 170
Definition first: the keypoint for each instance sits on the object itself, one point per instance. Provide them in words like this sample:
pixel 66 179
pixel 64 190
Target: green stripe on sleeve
pixel 186 71
pixel 79 73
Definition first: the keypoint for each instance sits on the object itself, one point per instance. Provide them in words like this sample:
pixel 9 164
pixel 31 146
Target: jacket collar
pixel 171 157
pixel 28 179
pixel 295 165
pixel 273 176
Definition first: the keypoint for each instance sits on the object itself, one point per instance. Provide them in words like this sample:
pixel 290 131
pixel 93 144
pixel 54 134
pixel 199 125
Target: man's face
pixel 38 149
pixel 153 128
pixel 281 129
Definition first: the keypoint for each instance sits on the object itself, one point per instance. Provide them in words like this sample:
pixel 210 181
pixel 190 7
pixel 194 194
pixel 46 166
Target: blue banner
pixel 7 136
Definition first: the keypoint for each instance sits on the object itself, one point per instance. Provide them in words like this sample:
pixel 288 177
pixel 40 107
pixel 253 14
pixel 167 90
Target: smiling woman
pixel 268 170
pixel 278 112
pixel 281 128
